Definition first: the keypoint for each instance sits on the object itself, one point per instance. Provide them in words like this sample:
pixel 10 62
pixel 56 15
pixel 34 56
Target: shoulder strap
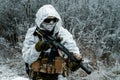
pixel 27 68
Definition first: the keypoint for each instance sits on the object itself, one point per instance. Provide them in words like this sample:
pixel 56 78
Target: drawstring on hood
pixel 43 13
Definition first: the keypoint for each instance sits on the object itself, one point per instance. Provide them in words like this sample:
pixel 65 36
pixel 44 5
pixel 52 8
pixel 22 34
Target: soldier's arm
pixel 69 42
pixel 30 54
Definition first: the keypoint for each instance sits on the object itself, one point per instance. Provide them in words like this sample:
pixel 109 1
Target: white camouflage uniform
pixel 29 52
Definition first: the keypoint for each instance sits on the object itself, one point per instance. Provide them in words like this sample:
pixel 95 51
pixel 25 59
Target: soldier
pixel 36 49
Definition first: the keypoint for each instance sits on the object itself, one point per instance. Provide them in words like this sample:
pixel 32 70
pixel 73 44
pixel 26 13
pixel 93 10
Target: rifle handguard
pixel 81 64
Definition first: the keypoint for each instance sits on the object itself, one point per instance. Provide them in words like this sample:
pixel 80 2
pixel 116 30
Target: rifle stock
pixel 58 45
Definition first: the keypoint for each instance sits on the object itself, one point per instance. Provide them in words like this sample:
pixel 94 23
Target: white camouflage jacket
pixel 29 52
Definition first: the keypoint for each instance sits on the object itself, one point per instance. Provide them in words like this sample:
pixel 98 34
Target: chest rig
pixel 45 64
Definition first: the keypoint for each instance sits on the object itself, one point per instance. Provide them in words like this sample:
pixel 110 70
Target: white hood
pixel 46 11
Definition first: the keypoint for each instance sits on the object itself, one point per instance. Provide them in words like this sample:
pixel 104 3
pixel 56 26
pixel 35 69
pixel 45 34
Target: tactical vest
pixel 42 65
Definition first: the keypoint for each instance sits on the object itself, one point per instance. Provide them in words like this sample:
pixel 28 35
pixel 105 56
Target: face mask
pixel 48 27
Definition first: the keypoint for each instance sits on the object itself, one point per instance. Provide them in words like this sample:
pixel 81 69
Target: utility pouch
pixel 42 65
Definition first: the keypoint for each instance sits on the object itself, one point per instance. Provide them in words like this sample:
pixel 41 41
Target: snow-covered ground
pixel 11 70
pixel 11 63
pixel 12 67
pixel 9 74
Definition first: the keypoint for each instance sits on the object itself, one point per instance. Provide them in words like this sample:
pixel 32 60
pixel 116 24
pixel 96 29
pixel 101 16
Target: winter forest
pixel 94 24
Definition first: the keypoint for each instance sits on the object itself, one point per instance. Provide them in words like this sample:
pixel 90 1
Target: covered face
pixel 47 18
pixel 49 23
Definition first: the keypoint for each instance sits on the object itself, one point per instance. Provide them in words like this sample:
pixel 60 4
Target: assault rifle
pixel 58 45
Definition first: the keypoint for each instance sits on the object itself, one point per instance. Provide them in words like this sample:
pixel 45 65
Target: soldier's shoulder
pixel 31 30
pixel 64 31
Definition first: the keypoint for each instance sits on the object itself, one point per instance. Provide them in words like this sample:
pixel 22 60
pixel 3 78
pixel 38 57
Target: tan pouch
pixel 42 65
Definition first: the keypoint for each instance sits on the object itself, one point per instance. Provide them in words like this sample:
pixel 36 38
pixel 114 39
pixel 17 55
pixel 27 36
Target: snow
pixel 9 74
pixel 20 78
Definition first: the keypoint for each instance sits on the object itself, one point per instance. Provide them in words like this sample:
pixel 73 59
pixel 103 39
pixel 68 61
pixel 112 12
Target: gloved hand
pixel 38 45
pixel 73 65
pixel 42 45
pixel 77 56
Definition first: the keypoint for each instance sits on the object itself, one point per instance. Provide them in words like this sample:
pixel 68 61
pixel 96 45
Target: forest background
pixel 95 25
